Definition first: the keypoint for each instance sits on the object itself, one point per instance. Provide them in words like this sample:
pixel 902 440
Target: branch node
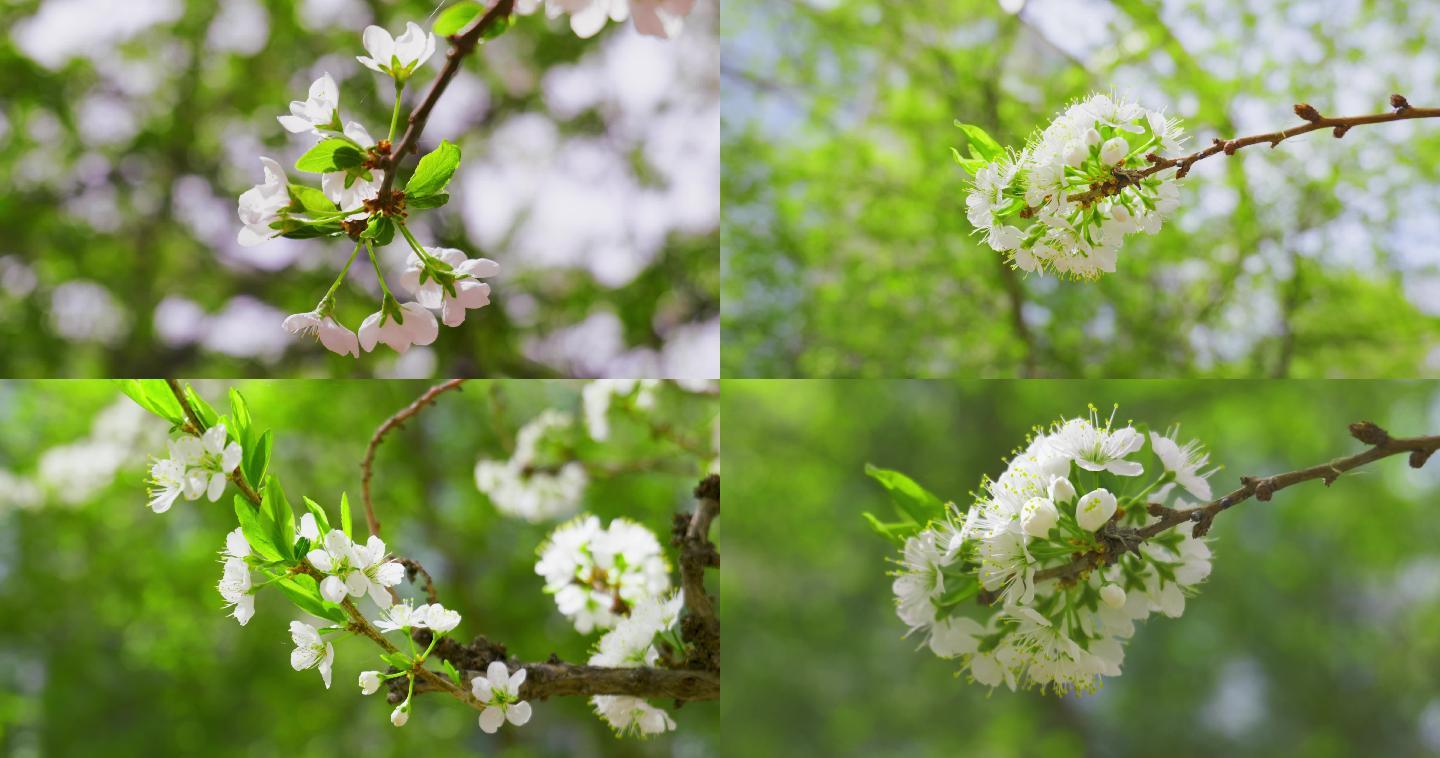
pixel 1156 509
pixel 1307 112
pixel 1399 103
pixel 1369 433
pixel 1340 130
pixel 1418 457
pixel 1202 525
pixel 1231 147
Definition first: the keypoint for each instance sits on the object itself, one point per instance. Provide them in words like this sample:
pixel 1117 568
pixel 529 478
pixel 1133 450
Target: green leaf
pixel 498 28
pixel 450 670
pixel 895 531
pixel 321 520
pixel 345 515
pixel 333 154
pixel 381 230
pixel 296 230
pixel 255 460
pixel 982 145
pixel 427 201
pixel 278 518
pixel 911 500
pixel 240 415
pixel 457 17
pixel 154 395
pixel 311 199
pixel 305 593
pixel 434 171
pixel 397 659
pixel 255 530
pixel 207 414
pixel 972 165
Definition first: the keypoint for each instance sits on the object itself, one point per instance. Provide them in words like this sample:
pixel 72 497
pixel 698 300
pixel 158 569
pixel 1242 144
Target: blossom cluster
pixel 1067 200
pixel 597 395
pixel 1077 484
pixel 351 166
pixel 598 574
pixel 533 484
pixel 634 642
pixel 655 18
pixel 196 467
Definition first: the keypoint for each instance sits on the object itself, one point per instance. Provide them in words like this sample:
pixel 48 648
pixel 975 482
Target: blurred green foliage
pixel 845 247
pixel 113 640
pixel 147 211
pixel 1314 636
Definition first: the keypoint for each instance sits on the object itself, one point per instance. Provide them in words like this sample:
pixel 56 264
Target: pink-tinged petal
pixel 480 268
pixel 420 324
pixel 452 313
pixel 369 332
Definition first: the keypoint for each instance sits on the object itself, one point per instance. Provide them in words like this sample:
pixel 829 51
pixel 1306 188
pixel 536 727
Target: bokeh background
pixel 845 246
pixel 128 129
pixel 113 640
pixel 1314 635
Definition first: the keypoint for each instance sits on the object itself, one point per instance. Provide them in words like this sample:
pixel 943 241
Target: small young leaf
pixel 911 500
pixel 333 154
pixel 397 659
pixel 207 414
pixel 456 17
pixel 278 518
pixel 896 531
pixel 434 171
pixel 240 415
pixel 311 199
pixel 295 230
pixel 498 28
pixel 381 230
pixel 427 201
pixel 982 145
pixel 321 520
pixel 972 165
pixel 345 514
pixel 450 670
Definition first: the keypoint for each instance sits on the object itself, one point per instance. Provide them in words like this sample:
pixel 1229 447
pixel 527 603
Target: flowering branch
pixel 1402 110
pixel 1116 541
pixel 461 45
pixel 199 429
pixel 393 422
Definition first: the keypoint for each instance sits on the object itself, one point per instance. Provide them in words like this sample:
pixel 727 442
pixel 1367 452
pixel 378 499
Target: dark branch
pixel 461 45
pixel 1313 121
pixel 403 415
pixel 1116 541
pixel 701 627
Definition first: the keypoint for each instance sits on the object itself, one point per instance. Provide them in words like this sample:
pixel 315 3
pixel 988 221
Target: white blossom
pixel 336 337
pixel 401 714
pixel 655 18
pixel 632 715
pixel 527 486
pixel 1185 463
pixel 596 397
pixel 235 581
pixel 597 574
pixel 196 467
pixel 469 292
pixel 311 651
pixel 355 570
pixel 437 618
pixel 369 682
pixel 318 113
pixel 396 56
pixel 416 326
pixel 1029 205
pixel 499 691
pixel 260 206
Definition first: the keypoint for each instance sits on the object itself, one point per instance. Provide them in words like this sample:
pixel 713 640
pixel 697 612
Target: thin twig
pixel 367 464
pixel 461 44
pixel 1119 540
pixel 1340 125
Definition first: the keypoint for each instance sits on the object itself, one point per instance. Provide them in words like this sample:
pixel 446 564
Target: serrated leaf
pixel 333 154
pixel 427 201
pixel 457 17
pixel 311 199
pixel 321 520
pixel 434 171
pixel 305 593
pixel 982 145
pixel 911 500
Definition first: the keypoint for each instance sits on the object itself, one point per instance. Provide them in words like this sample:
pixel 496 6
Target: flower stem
pixel 341 278
pixel 414 245
pixel 376 263
pixel 395 116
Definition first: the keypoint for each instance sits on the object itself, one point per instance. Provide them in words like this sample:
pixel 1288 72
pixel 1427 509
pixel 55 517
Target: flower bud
pixel 1061 490
pixel 1038 516
pixel 369 682
pixel 401 714
pixel 1092 138
pixel 1094 509
pixel 1113 595
pixel 1114 150
pixel 1120 213
pixel 1076 154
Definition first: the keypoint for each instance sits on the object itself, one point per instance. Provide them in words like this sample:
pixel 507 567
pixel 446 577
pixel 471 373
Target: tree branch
pixel 400 417
pixel 701 628
pixel 1339 126
pixel 1116 541
pixel 461 45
